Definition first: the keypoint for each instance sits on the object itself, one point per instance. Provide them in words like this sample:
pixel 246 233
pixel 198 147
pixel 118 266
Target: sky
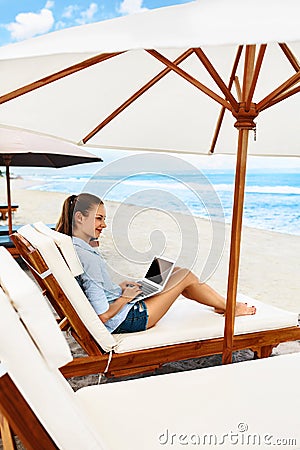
pixel 24 19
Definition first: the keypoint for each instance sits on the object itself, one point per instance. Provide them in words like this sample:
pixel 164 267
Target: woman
pixel 83 217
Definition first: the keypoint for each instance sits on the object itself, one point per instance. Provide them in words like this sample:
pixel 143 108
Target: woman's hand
pixel 130 289
pixel 128 283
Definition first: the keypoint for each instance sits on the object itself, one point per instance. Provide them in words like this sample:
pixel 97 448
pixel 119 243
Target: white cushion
pixel 260 397
pixel 46 391
pixel 34 311
pixel 71 288
pixel 65 245
pixel 187 321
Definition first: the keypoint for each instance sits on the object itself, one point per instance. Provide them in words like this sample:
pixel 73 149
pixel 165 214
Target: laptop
pixel 156 277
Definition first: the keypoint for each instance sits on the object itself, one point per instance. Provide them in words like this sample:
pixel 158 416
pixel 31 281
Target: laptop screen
pixel 159 271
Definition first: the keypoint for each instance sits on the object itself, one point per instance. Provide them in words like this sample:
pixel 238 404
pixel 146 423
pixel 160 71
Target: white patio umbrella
pixel 159 80
pixel 25 149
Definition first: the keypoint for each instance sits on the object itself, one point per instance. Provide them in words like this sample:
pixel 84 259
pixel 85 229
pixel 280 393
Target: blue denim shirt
pixel 97 284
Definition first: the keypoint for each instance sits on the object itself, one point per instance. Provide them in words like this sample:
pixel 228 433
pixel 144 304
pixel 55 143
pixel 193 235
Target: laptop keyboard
pixel 146 289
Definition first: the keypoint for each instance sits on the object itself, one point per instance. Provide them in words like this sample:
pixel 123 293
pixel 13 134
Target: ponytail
pixel 83 203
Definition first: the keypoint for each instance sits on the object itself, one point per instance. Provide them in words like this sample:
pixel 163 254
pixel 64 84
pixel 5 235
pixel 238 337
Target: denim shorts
pixel 136 319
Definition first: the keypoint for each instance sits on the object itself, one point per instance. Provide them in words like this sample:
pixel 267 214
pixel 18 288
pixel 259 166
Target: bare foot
pixel 219 311
pixel 241 309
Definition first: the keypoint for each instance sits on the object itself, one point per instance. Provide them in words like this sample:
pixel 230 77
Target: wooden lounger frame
pixel 16 417
pixel 140 361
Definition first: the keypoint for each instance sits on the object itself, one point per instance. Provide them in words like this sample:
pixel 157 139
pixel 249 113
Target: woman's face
pixel 91 226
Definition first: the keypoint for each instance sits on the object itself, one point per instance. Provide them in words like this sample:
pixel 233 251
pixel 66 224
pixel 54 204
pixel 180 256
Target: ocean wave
pixel 274 189
pixel 73 179
pixel 261 189
pixel 171 185
pixel 183 185
pixel 154 182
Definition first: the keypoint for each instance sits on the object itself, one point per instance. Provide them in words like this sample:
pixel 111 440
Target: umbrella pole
pixel 245 121
pixel 236 231
pixel 7 160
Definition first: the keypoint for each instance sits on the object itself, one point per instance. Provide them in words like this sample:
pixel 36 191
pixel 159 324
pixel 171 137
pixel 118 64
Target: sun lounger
pixel 188 330
pixel 252 404
pixel 6 242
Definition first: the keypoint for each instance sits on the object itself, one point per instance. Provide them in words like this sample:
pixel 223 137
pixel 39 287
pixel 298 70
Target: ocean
pixel 272 198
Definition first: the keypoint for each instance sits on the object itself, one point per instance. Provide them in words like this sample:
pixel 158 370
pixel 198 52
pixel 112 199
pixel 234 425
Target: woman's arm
pixel 128 294
pixel 92 282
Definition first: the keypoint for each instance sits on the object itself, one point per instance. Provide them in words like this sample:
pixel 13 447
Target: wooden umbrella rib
pixel 216 77
pixel 238 88
pixel 222 112
pixel 256 72
pixel 282 97
pixel 248 74
pixel 135 96
pixel 57 76
pixel 49 160
pixel 217 130
pixel 277 92
pixel 190 79
pixel 290 56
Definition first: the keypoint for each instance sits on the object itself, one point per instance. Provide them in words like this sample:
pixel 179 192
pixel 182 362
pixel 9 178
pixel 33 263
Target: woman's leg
pixel 184 282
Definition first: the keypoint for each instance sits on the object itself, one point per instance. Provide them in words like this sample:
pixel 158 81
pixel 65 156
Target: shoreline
pixel 268 264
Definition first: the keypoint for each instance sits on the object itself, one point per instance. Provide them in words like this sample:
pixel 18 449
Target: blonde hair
pixel 83 203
